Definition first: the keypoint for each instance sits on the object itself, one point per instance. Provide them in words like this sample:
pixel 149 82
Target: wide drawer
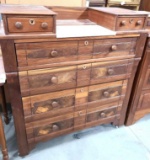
pixel 130 23
pixel 25 24
pixel 41 81
pixel 34 54
pixel 68 101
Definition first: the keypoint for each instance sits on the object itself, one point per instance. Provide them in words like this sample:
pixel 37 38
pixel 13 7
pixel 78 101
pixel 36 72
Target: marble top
pixel 2 72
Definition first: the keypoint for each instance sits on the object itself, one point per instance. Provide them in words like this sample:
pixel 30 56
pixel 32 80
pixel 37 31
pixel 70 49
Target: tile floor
pixel 99 143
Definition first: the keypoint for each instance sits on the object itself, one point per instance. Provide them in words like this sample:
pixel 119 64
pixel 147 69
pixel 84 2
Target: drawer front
pixel 114 47
pixel 42 81
pixel 101 114
pixel 144 100
pixel 147 80
pixel 30 24
pixel 111 71
pixel 33 54
pixel 46 52
pixel 132 23
pixel 126 1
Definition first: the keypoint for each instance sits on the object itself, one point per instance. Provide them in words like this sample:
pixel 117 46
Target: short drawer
pixel 42 81
pixel 26 24
pixel 146 84
pixel 33 54
pixel 126 1
pixel 144 100
pixel 52 127
pixel 111 71
pixel 130 23
pixel 114 47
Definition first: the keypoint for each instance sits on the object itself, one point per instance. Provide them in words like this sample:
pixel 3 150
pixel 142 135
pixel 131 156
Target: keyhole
pixel 32 21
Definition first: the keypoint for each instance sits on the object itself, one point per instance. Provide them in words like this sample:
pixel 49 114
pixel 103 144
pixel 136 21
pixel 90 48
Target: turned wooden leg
pixel 4 106
pixel 3 141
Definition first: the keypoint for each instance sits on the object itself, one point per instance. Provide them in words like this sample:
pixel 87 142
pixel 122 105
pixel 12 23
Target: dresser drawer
pixel 46 52
pixel 114 47
pixel 111 71
pixel 125 1
pixel 36 131
pixel 30 24
pixel 146 84
pixel 42 81
pixel 130 23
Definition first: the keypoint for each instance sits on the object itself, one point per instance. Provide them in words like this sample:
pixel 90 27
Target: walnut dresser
pixel 62 75
pixel 139 100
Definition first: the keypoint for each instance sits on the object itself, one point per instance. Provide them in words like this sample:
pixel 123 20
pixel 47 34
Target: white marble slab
pixel 2 72
pixel 82 31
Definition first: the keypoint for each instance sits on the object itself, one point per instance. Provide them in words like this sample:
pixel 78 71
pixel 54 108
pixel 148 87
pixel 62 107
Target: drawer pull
pixel 80 113
pixel 44 25
pixel 55 127
pixel 54 53
pixel 81 90
pixel 106 94
pixel 55 104
pixel 18 25
pixel 102 115
pixel 110 71
pixel 86 43
pixel 114 47
pixel 138 23
pixel 123 23
pixel 54 80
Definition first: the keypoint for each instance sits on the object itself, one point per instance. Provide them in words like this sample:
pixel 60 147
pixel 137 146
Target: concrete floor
pixel 103 142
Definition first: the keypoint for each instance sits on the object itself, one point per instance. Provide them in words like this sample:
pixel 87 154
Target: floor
pixel 99 143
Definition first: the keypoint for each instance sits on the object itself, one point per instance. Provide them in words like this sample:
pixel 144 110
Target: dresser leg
pixel 4 105
pixel 5 154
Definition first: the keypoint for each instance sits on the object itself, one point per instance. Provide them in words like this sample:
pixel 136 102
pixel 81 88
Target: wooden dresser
pixel 60 81
pixel 139 100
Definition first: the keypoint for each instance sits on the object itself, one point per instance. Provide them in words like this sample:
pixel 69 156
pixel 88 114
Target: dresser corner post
pixel 10 65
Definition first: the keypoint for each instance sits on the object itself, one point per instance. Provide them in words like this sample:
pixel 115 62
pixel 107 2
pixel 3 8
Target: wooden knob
pixel 55 104
pixel 102 115
pixel 54 53
pixel 54 80
pixel 123 23
pixel 18 25
pixel 114 47
pixel 106 94
pixel 110 71
pixel 44 25
pixel 55 127
pixel 138 23
pixel 86 43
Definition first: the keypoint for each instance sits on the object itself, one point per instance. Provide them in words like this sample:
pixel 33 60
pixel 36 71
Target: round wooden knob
pixel 114 47
pixel 54 80
pixel 18 25
pixel 54 53
pixel 55 127
pixel 55 104
pixel 123 23
pixel 44 25
pixel 110 71
pixel 106 94
pixel 138 23
pixel 102 115
pixel 86 43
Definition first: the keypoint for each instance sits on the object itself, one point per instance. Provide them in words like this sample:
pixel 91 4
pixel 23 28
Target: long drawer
pixel 69 101
pixel 54 79
pixel 34 54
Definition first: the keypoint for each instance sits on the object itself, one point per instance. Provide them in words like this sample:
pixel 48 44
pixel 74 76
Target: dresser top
pixel 118 11
pixel 25 9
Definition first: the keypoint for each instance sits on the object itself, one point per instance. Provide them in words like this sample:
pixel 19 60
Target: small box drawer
pixel 130 23
pixel 23 24
pixel 125 1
